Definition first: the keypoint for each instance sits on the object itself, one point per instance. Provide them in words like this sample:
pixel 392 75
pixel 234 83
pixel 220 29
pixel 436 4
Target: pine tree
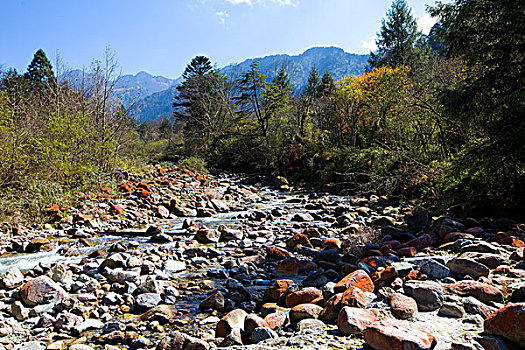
pixel 40 73
pixel 327 85
pixel 398 38
pixel 312 89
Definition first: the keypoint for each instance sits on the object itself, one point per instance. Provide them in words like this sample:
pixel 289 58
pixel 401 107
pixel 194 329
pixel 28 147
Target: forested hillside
pixel 437 118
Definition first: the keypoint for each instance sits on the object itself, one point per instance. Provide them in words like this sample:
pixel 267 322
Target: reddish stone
pixel 389 245
pixel 419 243
pixel 276 319
pixel 512 241
pixel 354 297
pixel 353 320
pixel 453 236
pixel 481 291
pixel 289 267
pixel 299 239
pixel 53 208
pixel 144 186
pixel 304 311
pixel 508 322
pixel 253 321
pixel 41 290
pixel 304 296
pixel 274 292
pixel 394 335
pixel 116 209
pixel 402 306
pixel 126 188
pixel 416 275
pixel 310 266
pixel 358 278
pixel 332 243
pixel 277 253
pixel 332 308
pixel 407 251
pixel 107 190
pixel 270 308
pixel 474 230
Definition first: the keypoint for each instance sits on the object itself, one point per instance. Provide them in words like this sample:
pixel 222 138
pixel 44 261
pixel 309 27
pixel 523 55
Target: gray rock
pixel 262 333
pixel 214 301
pixel 31 345
pixel 121 276
pixel 148 300
pixel 428 295
pixel 302 217
pixel 88 324
pixel 434 270
pixel 310 323
pixel 451 310
pixel 12 279
pixel 18 311
pixel 469 267
pixel 174 266
pixel 475 307
pixel 207 236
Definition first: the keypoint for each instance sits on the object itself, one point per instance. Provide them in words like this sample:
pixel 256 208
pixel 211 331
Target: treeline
pixel 439 117
pixel 59 134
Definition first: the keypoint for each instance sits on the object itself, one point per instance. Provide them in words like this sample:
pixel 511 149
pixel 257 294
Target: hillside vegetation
pixel 436 118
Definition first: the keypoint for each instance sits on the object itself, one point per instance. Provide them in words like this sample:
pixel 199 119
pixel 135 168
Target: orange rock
pixel 297 239
pixel 481 291
pixel 407 251
pixel 352 320
pixel 354 297
pixel 358 278
pixel 402 306
pixel 332 308
pixel 275 292
pixel 289 267
pixel 508 322
pixel 304 296
pixel 276 319
pixel 394 335
pixel 270 308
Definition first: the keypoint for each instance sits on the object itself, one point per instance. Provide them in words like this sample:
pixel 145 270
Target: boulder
pixel 353 320
pixel 428 295
pixel 393 335
pixel 12 279
pixel 359 279
pixel 508 322
pixel 42 290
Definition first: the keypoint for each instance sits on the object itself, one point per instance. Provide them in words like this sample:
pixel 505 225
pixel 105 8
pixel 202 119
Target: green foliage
pixel 194 164
pixel 40 74
pixel 397 39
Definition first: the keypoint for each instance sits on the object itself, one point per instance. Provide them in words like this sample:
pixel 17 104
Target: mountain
pixel 158 103
pixel 132 88
pixel 332 59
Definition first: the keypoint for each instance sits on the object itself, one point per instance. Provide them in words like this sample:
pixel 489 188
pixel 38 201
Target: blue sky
pixel 161 36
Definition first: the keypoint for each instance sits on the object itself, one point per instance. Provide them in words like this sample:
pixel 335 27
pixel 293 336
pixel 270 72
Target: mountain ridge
pixel 146 104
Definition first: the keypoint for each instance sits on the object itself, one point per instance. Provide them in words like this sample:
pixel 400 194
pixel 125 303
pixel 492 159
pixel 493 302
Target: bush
pixel 194 164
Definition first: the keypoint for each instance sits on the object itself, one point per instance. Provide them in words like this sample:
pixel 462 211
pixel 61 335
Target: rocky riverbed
pixel 176 260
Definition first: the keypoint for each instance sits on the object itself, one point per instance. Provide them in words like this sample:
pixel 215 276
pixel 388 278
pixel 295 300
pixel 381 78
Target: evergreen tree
pixel 202 103
pixel 327 85
pixel 397 39
pixel 313 85
pixel 40 73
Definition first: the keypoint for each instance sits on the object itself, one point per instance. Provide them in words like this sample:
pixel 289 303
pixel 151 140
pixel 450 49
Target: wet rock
pixel 402 306
pixel 260 334
pixel 41 290
pixel 304 311
pixel 428 295
pixel 508 322
pixel 207 236
pixel 215 301
pixel 234 319
pixel 228 234
pixel 468 267
pixel 174 266
pixel 359 279
pixel 161 238
pixel 11 279
pixel 353 320
pixel 302 217
pixel 181 211
pixel 160 312
pixel 392 335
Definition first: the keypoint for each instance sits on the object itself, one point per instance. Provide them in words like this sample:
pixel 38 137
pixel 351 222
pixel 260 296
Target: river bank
pixel 177 260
